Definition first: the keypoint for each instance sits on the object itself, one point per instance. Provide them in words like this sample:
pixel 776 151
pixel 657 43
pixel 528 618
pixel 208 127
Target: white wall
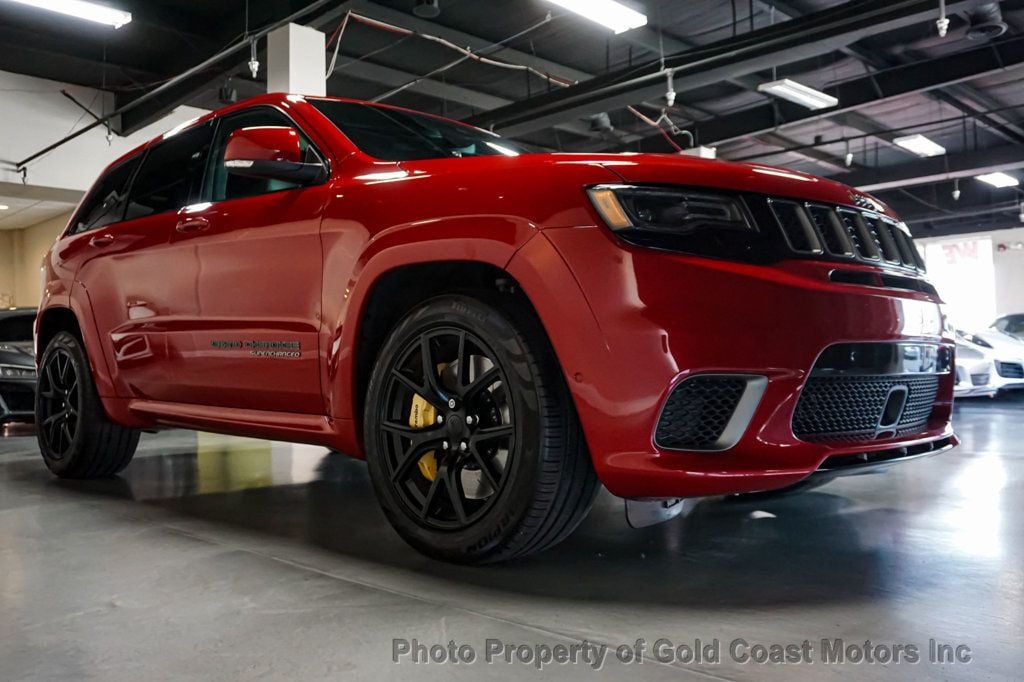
pixel 34 114
pixel 1007 265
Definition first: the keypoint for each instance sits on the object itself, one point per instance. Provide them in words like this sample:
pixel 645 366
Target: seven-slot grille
pixel 841 232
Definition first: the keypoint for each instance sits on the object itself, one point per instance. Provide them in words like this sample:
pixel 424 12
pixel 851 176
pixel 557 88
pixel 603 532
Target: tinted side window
pixel 396 135
pixel 171 173
pixel 225 185
pixel 106 203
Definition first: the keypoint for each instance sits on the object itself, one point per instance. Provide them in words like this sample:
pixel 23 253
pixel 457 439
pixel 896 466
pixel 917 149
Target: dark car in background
pixel 17 366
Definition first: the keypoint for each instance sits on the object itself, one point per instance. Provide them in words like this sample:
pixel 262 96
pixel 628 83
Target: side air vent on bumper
pixel 708 412
pixel 866 391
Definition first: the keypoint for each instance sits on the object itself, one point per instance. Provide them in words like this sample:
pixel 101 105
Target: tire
pixel 75 437
pixel 525 482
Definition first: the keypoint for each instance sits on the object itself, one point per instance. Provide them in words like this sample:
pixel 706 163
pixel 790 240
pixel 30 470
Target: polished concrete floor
pixel 230 558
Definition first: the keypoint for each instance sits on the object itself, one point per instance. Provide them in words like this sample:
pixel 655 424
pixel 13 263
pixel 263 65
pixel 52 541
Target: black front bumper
pixel 17 400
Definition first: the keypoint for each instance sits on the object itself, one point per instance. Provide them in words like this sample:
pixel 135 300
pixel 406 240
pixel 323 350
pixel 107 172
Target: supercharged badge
pixel 262 349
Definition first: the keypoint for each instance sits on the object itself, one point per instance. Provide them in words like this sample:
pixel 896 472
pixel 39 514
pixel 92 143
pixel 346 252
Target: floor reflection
pixel 858 539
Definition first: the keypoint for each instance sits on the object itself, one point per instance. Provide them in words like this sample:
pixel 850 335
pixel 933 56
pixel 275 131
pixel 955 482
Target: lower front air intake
pixel 708 412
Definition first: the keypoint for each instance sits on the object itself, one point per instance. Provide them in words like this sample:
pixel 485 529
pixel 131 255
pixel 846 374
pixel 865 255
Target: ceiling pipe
pixel 180 78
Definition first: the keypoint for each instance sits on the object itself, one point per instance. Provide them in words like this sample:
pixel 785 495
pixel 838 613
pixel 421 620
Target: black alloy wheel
pixel 76 438
pixel 448 472
pixel 473 444
pixel 60 398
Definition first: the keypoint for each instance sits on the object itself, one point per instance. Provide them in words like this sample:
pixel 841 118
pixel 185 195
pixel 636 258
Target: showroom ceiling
pixel 589 89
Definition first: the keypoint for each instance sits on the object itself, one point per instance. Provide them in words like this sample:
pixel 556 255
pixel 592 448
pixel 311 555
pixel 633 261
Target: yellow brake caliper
pixel 421 416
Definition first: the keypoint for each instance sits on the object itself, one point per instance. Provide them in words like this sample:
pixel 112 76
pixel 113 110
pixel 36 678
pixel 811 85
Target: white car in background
pixel 1011 324
pixel 1006 353
pixel 974 370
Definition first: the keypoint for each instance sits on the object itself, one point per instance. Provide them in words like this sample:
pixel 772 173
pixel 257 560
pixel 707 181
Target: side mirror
pixel 270 152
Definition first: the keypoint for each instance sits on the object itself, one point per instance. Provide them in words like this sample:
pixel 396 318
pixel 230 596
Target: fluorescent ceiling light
pixel 610 13
pixel 89 11
pixel 998 179
pixel 799 93
pixel 4 207
pixel 920 145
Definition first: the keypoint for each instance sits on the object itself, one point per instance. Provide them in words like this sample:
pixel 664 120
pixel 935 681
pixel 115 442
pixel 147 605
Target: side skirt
pixel 298 428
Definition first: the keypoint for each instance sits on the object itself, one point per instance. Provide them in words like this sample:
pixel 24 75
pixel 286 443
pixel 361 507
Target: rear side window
pixel 106 203
pixel 171 173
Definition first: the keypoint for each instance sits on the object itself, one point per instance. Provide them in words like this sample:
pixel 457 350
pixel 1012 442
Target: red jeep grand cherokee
pixel 495 331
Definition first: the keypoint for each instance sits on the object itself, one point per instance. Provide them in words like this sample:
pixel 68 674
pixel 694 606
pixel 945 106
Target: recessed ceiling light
pixel 610 13
pixel 799 93
pixel 89 11
pixel 998 179
pixel 920 145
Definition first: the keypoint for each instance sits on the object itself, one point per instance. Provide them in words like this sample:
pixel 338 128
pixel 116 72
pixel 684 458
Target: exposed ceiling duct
pixel 986 22
pixel 428 9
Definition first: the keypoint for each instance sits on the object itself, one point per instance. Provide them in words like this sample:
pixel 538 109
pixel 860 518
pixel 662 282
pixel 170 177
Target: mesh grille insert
pixel 837 241
pixel 697 412
pixel 880 232
pixel 833 407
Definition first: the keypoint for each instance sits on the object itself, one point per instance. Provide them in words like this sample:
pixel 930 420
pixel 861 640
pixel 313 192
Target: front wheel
pixel 473 445
pixel 75 437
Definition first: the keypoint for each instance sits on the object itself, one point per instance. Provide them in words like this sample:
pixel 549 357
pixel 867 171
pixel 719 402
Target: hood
pixel 669 169
pixel 762 179
pixel 1003 346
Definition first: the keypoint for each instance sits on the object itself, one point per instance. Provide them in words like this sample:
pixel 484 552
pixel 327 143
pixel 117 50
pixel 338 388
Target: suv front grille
pixel 1010 370
pixel 813 229
pixel 834 407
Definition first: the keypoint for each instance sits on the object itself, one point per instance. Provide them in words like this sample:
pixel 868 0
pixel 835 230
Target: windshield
pixel 396 135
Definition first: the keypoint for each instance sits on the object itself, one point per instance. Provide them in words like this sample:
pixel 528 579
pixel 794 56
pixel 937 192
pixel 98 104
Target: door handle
pixel 192 225
pixel 102 240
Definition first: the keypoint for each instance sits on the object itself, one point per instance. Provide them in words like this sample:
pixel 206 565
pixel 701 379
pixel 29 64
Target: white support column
pixel 296 60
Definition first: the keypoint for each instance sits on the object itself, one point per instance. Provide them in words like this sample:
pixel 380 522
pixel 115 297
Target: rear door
pixel 124 241
pixel 249 299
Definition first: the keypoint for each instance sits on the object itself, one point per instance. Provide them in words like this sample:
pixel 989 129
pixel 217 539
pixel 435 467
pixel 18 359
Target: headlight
pixel 977 340
pixel 692 220
pixel 15 372
pixel 671 210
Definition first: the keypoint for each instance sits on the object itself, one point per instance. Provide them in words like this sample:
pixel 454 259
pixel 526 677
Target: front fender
pixel 489 239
